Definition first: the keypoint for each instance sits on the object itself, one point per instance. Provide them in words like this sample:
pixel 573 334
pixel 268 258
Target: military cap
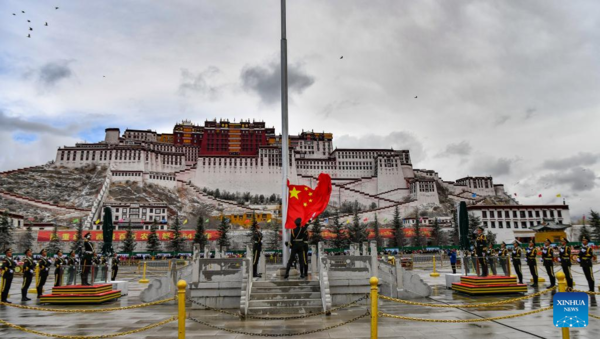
pixel 503 243
pixel 72 252
pixel 517 242
pixel 87 235
pixel 42 250
pixel 532 241
pixel 548 240
pixel 564 239
pixel 28 250
pixel 7 250
pixel 585 238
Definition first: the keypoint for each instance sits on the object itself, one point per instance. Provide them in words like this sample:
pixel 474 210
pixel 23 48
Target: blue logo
pixel 571 309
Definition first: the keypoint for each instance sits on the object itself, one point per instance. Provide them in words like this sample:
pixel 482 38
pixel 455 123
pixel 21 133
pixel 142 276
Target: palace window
pixel 530 214
pixel 492 215
pixel 506 214
pixel 523 224
pixel 500 225
pixel 522 214
pixel 537 214
pixel 493 224
pixel 559 214
pixel 508 224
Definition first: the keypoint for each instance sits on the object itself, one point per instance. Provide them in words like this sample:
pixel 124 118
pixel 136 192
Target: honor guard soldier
pixel 44 267
pixel 502 258
pixel 95 267
pixel 491 257
pixel 88 255
pixel 104 268
pixel 72 262
pixel 114 268
pixel 7 267
pixel 474 262
pixel 28 274
pixel 298 235
pixel 548 259
pixel 515 255
pixel 586 255
pixel 59 269
pixel 481 242
pixel 531 255
pixel 466 260
pixel 257 238
pixel 564 258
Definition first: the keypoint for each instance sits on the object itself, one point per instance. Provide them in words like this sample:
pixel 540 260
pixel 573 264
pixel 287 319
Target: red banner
pixel 120 235
pixel 387 233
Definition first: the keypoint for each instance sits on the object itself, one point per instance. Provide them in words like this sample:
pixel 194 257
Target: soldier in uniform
pixel 44 267
pixel 7 268
pixel 531 255
pixel 88 255
pixel 95 267
pixel 72 262
pixel 481 242
pixel 502 256
pixel 491 257
pixel 59 269
pixel 256 250
pixel 104 268
pixel 476 270
pixel 28 274
pixel 548 259
pixel 305 254
pixel 466 260
pixel 585 257
pixel 298 235
pixel 115 267
pixel 515 255
pixel 564 258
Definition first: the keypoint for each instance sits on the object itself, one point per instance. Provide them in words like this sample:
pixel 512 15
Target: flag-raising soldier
pixel 531 255
pixel 44 267
pixel 7 270
pixel 28 273
pixel 548 259
pixel 515 255
pixel 257 237
pixel 565 260
pixel 59 269
pixel 298 235
pixel 586 254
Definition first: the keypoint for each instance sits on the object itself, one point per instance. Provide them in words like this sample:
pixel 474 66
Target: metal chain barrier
pixel 49 335
pixel 584 273
pixel 280 334
pixel 381 314
pixel 87 311
pixel 468 305
pixel 281 318
pixel 594 316
pixel 588 292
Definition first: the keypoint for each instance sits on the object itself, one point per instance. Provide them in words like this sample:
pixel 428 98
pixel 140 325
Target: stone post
pixel 196 263
pixel 365 248
pixel 399 277
pixel 374 264
pixel 313 260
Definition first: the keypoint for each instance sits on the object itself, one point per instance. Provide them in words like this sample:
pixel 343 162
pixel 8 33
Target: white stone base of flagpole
pixel 293 272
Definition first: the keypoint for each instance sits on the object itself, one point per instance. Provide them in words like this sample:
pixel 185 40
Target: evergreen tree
pixel 474 222
pixel 338 230
pixel 153 246
pixel 376 231
pixel 129 243
pixel 54 245
pixel 584 232
pixel 223 230
pixel 595 224
pixel 253 227
pixel 26 240
pixel 6 232
pixel 436 233
pixel 77 245
pixel 177 241
pixel 491 238
pixel 200 237
pixel 398 240
pixel 273 239
pixel 417 240
pixel 316 235
pixel 357 232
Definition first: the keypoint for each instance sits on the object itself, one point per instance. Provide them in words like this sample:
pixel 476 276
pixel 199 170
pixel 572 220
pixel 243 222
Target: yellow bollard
pixel 374 312
pixel 144 280
pixel 562 287
pixel 434 273
pixel 181 285
pixel 37 278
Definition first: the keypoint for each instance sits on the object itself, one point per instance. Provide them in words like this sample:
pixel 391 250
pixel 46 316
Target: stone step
pixel 284 310
pixel 285 289
pixel 277 283
pixel 286 303
pixel 278 296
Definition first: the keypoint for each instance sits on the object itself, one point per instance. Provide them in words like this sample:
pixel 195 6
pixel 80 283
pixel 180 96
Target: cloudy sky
pixel 504 88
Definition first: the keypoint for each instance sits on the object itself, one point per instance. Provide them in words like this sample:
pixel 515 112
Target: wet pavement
pixel 533 326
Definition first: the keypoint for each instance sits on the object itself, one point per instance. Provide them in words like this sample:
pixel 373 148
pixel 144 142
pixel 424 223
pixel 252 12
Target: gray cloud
pixel 462 148
pixel 337 106
pixel 579 159
pixel 492 166
pixel 501 119
pixel 266 80
pixel 52 73
pixel 396 140
pixel 577 178
pixel 201 83
pixel 11 124
pixel 530 112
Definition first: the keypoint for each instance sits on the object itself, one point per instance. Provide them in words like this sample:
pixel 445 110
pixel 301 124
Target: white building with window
pixel 510 222
pixel 141 215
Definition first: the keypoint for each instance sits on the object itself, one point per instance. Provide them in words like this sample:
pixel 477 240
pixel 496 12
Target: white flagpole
pixel 284 133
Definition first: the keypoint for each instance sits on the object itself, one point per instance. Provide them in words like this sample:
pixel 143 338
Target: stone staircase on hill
pixel 285 297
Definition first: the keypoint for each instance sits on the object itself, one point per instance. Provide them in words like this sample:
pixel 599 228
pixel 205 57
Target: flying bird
pixel 31 29
pixel 415 96
pixel 342 57
pixel 29 35
pixel 14 14
pixel 55 7
pixel 23 12
pixel 28 20
pixel 46 24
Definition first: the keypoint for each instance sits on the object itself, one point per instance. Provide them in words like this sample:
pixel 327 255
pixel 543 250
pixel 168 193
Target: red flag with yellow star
pixel 306 203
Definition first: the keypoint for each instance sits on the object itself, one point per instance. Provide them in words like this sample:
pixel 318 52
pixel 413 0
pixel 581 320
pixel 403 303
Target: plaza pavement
pixel 532 326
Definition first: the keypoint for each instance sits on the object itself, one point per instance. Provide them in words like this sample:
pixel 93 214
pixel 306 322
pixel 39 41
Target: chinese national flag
pixel 306 203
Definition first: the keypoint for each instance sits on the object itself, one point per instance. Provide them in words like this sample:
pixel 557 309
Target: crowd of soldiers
pixel 71 264
pixel 485 257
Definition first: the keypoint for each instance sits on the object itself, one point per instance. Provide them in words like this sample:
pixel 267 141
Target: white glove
pixel 10 271
pixel 578 260
pixel 542 260
pixel 30 271
pixel 559 259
